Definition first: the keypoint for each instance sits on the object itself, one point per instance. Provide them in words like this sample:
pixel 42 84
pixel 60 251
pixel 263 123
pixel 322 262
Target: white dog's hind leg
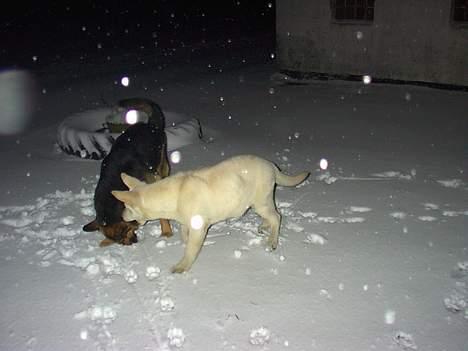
pixel 264 227
pixel 184 233
pixel 192 248
pixel 274 234
pixel 271 223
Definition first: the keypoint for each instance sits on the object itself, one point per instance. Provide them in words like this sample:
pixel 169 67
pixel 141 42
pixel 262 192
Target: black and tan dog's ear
pixel 106 242
pixel 91 226
pixel 127 197
pixel 130 181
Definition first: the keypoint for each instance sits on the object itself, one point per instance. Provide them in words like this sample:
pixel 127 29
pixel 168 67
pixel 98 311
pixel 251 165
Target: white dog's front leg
pixel 192 248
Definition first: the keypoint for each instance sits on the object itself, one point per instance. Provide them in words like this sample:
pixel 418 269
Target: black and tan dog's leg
pixel 163 172
pixel 163 167
pixel 166 229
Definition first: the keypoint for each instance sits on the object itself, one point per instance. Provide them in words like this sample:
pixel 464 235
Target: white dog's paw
pixel 272 242
pixel 179 268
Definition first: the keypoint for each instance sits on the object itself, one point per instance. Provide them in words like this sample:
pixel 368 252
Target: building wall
pixel 411 40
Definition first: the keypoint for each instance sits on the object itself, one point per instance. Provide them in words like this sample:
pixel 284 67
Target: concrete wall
pixel 412 40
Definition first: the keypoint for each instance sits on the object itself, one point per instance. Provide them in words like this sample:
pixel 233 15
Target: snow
pixel 167 304
pixel 315 239
pixel 176 337
pixel 405 341
pixel 152 272
pixel 260 336
pixel 373 250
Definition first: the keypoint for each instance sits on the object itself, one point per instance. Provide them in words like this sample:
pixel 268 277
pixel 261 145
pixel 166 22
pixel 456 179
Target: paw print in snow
pixel 260 336
pixel 176 337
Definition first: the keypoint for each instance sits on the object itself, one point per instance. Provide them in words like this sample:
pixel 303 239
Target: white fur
pixel 225 190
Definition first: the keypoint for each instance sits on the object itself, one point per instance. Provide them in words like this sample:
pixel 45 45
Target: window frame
pixel 453 21
pixel 364 21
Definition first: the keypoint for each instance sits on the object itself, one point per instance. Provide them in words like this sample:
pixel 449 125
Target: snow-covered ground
pixel 373 252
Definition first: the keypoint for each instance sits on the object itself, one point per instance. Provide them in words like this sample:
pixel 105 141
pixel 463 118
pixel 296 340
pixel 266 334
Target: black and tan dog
pixel 140 151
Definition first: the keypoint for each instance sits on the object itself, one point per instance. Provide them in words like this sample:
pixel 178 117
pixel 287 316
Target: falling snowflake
pixel 131 117
pixel 323 164
pixel 367 79
pixel 125 81
pixel 175 157
pixel 196 222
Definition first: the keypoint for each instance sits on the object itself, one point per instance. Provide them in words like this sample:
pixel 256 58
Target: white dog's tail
pixel 286 180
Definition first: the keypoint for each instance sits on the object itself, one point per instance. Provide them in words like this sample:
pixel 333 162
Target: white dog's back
pixel 232 186
pixel 250 167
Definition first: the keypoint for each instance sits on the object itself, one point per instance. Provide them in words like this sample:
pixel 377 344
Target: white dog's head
pixel 131 199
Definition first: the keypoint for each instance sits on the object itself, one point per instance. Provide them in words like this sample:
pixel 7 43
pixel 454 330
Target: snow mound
pixel 333 220
pixel 105 314
pixel 405 341
pixel 451 183
pixel 316 239
pixel 327 178
pixel 396 175
pixel 398 215
pixel 430 206
pixel 457 299
pixel 358 209
pixel 427 218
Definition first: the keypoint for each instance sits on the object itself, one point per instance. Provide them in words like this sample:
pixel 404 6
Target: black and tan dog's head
pixel 121 232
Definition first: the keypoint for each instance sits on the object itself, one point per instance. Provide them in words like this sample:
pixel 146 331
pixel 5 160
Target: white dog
pixel 197 199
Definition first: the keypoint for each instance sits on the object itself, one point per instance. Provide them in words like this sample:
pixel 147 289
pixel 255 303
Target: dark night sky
pixel 57 29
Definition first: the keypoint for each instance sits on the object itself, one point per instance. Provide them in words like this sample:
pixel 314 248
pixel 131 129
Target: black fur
pixel 139 152
pixel 136 152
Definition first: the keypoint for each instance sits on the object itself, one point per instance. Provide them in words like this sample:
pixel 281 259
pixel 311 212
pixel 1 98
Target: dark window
pixel 354 10
pixel 460 11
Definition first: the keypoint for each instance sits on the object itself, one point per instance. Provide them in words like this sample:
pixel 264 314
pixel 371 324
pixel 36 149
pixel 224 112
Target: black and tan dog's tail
pixel 156 116
pixel 287 180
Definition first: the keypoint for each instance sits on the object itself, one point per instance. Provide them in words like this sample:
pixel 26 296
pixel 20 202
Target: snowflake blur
pixel 390 317
pixel 323 164
pixel 367 79
pixel 175 157
pixel 196 222
pixel 131 117
pixel 125 81
pixel 17 99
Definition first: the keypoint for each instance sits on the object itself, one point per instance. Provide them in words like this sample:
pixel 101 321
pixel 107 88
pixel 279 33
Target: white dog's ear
pixel 130 181
pixel 127 197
